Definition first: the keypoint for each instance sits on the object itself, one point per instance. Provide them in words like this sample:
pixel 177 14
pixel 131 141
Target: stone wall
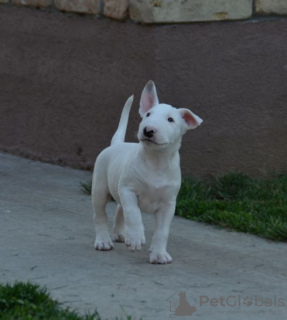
pixel 163 11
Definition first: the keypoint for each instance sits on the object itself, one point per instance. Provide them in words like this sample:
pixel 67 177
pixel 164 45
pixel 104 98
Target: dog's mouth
pixel 153 142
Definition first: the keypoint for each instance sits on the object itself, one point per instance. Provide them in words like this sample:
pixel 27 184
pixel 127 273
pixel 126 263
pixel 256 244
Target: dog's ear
pixel 148 98
pixel 191 120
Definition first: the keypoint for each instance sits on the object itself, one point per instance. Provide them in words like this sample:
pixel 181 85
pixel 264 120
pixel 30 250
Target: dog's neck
pixel 162 159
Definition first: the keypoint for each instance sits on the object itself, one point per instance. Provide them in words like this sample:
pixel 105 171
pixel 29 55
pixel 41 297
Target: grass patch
pixel 26 301
pixel 238 202
pixel 87 187
pixel 235 201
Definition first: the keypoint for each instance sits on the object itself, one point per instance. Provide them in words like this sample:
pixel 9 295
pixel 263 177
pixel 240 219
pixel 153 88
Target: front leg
pixel 163 217
pixel 134 233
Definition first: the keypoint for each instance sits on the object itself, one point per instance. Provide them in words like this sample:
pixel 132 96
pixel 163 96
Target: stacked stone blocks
pixel 163 11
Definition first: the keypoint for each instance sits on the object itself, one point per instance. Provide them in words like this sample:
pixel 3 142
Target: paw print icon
pixel 248 301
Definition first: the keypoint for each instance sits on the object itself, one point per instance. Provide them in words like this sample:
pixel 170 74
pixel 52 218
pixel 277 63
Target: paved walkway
pixel 47 235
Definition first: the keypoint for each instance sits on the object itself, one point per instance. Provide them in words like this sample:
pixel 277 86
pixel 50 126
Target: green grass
pixel 26 301
pixel 237 202
pixel 87 187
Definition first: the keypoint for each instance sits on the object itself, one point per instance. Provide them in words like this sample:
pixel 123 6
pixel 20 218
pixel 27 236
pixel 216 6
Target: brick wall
pixel 163 11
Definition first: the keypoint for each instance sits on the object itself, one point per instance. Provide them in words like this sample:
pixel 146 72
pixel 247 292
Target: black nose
pixel 148 134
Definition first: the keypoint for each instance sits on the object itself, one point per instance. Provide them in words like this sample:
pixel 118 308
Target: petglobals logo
pixel 179 306
pixel 210 305
pixel 237 301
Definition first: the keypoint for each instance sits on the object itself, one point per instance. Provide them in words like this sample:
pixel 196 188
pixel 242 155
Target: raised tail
pixel 120 134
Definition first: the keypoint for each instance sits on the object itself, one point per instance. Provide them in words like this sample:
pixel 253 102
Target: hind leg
pixel 100 197
pixel 119 225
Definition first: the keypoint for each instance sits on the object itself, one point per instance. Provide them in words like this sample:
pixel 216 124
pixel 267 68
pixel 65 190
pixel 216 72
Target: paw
pixel 119 234
pixel 118 237
pixel 103 243
pixel 135 239
pixel 159 257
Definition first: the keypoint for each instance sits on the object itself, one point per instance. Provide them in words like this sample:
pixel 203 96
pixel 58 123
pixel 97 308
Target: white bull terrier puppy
pixel 141 177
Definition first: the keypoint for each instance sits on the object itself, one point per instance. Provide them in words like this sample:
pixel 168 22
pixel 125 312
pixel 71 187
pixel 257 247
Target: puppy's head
pixel 162 125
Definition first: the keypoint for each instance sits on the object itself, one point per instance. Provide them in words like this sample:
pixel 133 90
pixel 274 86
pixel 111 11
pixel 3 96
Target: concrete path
pixel 47 235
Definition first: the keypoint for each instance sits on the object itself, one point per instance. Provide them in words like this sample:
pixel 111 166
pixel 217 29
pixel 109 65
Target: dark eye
pixel 170 119
pixel 148 114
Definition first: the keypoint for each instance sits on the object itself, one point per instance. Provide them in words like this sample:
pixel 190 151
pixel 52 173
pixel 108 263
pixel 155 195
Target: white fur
pixel 141 177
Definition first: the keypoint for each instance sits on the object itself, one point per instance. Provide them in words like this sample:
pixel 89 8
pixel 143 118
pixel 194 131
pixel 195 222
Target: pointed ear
pixel 191 120
pixel 148 98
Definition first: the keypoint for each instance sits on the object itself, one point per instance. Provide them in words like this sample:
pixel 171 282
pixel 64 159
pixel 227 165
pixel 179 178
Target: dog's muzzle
pixel 149 133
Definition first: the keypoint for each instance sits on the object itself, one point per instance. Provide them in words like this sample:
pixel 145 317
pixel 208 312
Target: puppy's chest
pixel 152 196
